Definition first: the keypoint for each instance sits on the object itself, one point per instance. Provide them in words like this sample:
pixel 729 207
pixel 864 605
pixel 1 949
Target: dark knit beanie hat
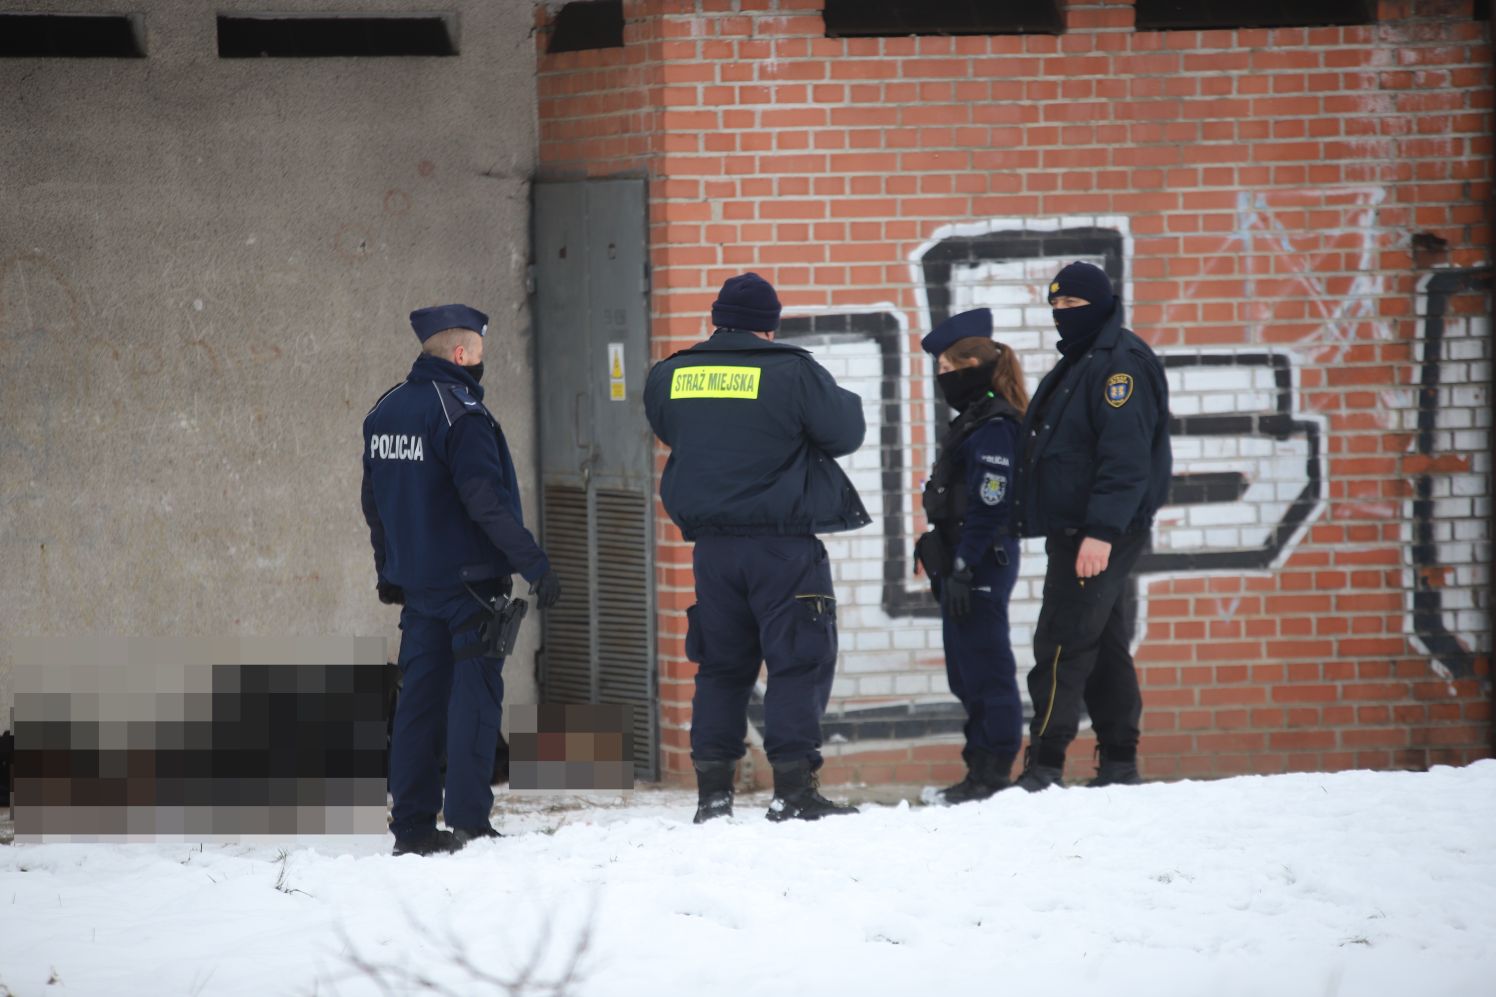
pixel 1082 280
pixel 746 302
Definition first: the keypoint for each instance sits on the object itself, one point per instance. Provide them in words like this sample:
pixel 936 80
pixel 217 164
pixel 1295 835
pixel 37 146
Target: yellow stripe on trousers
pixel 1054 686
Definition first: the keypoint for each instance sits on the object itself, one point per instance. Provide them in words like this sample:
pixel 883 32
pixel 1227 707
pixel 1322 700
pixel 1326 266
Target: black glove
pixel 391 595
pixel 955 592
pixel 546 589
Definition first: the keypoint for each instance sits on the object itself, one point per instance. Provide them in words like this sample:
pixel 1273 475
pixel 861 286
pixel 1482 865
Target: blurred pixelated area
pixel 135 739
pixel 571 748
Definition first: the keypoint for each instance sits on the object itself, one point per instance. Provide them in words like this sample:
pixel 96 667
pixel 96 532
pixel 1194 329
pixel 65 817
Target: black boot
pixel 466 834
pixel 986 774
pixel 796 798
pixel 713 790
pixel 1037 776
pixel 433 843
pixel 1117 767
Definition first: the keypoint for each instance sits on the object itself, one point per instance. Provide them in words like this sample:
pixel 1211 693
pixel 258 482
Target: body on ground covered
pixel 1353 883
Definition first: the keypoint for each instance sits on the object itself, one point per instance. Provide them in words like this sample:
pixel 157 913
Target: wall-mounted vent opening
pixel 314 36
pixel 586 24
pixel 72 36
pixel 863 18
pixel 1174 15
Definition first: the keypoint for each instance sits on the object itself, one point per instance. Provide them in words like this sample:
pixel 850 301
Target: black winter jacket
pixel 1095 444
pixel 754 428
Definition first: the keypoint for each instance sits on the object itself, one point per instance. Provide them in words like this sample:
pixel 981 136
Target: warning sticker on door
pixel 616 390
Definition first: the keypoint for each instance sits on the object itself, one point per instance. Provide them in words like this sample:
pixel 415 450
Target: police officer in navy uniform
pixel 442 503
pixel 1096 466
pixel 754 427
pixel 971 554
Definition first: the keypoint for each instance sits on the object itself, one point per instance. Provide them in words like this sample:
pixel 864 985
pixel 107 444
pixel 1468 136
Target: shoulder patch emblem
pixel 994 487
pixel 1118 390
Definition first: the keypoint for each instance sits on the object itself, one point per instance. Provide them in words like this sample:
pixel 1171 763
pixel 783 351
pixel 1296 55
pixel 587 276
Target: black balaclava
pixel 1078 326
pixel 965 385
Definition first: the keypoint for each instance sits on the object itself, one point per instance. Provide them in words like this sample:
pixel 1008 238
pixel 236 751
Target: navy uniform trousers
pixel 445 707
pixel 761 600
pixel 979 661
pixel 1082 652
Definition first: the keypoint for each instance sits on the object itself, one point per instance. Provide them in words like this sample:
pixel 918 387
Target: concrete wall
pixel 1259 190
pixel 205 271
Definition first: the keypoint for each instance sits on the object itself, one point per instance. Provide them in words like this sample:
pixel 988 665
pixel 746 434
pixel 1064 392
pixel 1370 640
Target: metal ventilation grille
pixel 624 651
pixel 567 676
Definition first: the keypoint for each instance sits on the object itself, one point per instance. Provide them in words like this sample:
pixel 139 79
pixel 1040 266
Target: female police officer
pixel 970 553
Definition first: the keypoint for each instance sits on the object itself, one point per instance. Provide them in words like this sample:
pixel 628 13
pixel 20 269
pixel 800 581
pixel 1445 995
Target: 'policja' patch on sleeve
pixel 1118 390
pixel 994 487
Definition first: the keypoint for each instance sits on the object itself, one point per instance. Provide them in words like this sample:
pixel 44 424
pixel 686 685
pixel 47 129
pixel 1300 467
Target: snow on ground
pixel 1347 884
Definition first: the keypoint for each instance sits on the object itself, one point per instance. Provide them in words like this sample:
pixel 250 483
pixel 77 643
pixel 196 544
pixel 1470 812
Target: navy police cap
pixel 965 325
pixel 427 322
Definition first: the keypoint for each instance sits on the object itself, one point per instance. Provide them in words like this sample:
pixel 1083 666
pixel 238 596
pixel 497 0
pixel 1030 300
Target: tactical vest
pixel 945 491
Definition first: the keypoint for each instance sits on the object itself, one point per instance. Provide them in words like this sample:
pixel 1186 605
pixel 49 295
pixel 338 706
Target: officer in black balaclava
pixel 1095 469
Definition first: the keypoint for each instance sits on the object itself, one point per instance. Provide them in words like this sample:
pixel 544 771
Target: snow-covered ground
pixel 1349 884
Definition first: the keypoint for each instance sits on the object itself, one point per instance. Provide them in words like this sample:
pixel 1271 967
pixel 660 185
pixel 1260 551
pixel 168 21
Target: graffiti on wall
pixel 1250 456
pixel 1449 578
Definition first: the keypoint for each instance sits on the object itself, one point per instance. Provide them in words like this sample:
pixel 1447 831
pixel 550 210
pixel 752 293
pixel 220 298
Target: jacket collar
pixel 1111 332
pixel 433 368
pixel 1106 338
pixel 724 340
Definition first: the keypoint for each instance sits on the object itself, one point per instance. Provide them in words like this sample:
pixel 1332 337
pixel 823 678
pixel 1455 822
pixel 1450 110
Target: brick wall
pixel 1317 596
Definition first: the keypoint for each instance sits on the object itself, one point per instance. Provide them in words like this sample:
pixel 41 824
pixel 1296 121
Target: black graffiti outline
pixel 1428 601
pixel 914 720
pixel 1280 425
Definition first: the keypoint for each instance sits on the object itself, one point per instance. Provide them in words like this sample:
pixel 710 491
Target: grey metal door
pixel 596 453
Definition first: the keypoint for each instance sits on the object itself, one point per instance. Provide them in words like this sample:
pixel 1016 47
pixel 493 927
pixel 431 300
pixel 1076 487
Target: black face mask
pixel 475 371
pixel 1077 325
pixel 965 385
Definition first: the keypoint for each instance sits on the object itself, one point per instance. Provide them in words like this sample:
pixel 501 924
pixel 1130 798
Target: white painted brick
pixel 909 638
pixel 911 685
pixel 1224 539
pixel 1470 529
pixel 1469 484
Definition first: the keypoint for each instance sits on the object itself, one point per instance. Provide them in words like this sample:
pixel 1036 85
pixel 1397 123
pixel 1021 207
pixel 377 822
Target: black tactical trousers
pixel 1082 653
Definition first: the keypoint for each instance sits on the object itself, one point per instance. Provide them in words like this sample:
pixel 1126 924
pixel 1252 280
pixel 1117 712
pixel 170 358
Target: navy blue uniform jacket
pixel 986 458
pixel 1095 442
pixel 440 493
pixel 754 428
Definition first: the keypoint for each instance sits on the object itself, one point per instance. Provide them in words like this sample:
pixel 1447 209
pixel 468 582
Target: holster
pixel 497 622
pixel 932 552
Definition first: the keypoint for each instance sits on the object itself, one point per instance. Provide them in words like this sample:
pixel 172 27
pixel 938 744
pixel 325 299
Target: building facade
pixel 1299 220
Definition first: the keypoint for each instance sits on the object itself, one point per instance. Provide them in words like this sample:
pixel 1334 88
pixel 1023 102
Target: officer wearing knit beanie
pixel 754 428
pixel 1094 470
pixel 747 302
